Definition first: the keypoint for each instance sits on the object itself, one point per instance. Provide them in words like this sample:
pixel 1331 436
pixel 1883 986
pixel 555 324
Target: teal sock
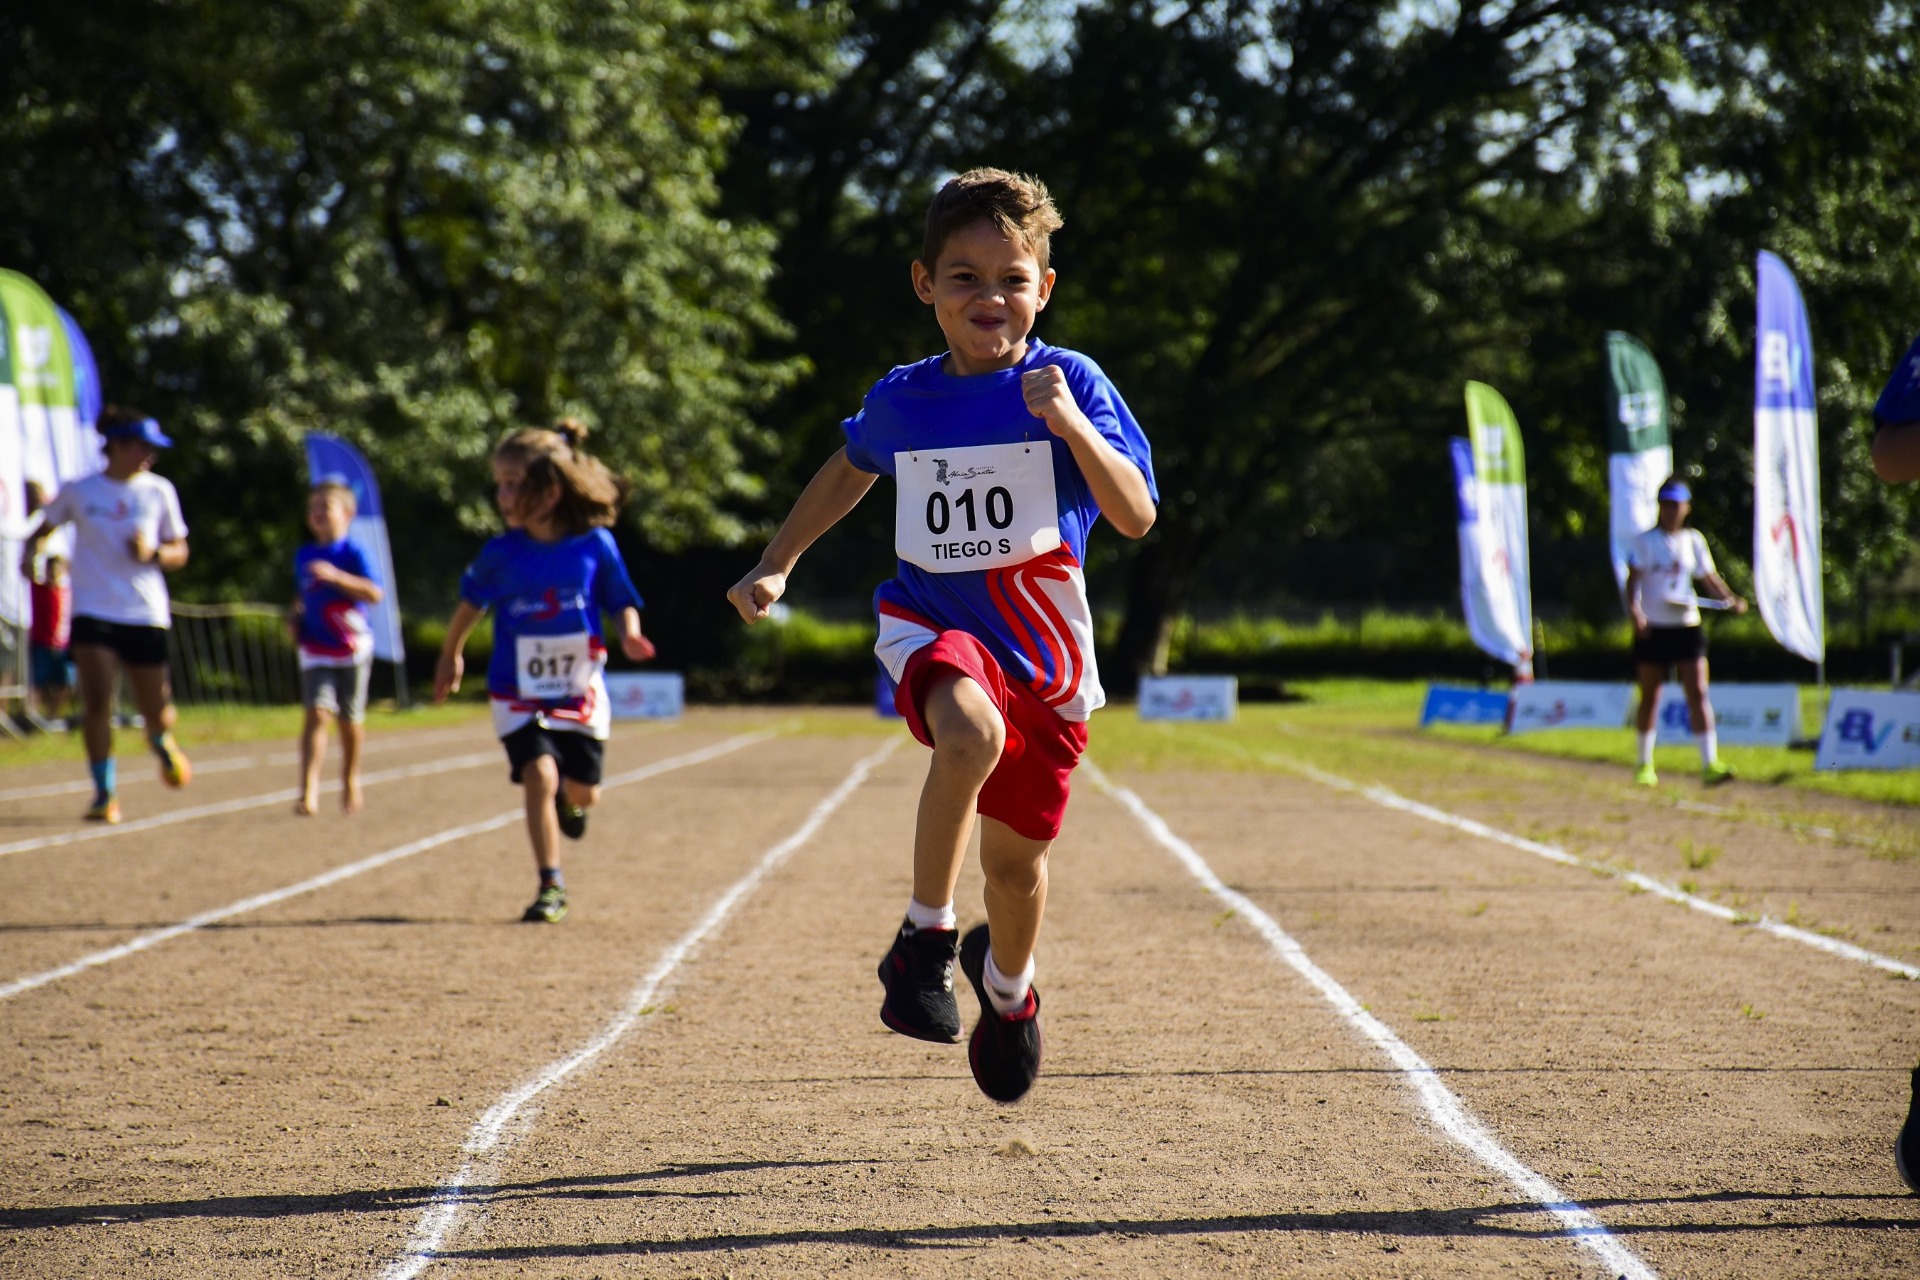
pixel 102 777
pixel 552 876
pixel 158 740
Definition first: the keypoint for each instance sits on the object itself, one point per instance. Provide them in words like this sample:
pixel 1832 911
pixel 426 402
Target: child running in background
pixel 548 579
pixel 50 639
pixel 1004 451
pixel 336 584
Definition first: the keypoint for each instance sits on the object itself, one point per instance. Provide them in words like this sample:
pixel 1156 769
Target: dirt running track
pixel 296 1088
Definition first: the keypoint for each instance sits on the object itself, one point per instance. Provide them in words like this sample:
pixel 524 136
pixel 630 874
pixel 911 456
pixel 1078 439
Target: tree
pixel 414 225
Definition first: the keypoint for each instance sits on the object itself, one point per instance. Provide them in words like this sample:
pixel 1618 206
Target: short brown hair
pixel 1018 205
pixel 340 490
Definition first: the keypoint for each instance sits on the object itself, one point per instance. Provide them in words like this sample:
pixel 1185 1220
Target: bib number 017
pixel 940 511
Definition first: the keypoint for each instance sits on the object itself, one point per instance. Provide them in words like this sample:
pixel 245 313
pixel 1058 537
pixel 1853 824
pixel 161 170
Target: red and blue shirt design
pixel 552 590
pixel 333 625
pixel 1033 617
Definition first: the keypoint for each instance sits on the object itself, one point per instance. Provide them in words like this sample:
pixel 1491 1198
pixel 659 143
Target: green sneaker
pixel 549 908
pixel 1644 776
pixel 1716 773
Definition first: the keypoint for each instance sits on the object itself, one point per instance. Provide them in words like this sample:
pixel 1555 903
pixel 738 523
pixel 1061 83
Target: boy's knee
pixel 584 794
pixel 541 774
pixel 967 728
pixel 1018 876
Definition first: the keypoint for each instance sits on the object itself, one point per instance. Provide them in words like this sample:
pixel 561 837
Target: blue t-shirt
pixel 1033 616
pixel 333 625
pixel 553 592
pixel 1900 399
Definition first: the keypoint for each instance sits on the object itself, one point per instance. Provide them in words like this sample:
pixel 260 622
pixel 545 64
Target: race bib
pixel 554 668
pixel 985 506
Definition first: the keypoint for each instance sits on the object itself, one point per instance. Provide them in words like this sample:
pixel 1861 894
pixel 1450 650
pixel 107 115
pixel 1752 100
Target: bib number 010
pixel 940 510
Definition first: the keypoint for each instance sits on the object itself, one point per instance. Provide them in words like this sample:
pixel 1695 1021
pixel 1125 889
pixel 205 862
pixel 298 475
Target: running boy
pixel 547 579
pixel 336 584
pixel 1004 451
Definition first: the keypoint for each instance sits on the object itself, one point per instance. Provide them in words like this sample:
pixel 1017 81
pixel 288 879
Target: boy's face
pixel 986 291
pixel 328 517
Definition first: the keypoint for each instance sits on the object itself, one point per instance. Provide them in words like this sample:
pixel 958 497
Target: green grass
pixel 1361 727
pixel 205 726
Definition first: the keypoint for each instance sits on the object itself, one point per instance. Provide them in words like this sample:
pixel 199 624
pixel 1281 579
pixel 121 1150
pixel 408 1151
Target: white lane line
pixel 1448 1112
pixel 488 1141
pixel 1639 880
pixel 232 764
pixel 347 872
pixel 285 795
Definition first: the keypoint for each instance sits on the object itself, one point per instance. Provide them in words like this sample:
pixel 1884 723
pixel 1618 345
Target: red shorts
pixel 1028 789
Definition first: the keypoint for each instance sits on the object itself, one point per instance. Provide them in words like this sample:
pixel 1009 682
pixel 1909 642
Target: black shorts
pixel 579 756
pixel 1663 646
pixel 137 646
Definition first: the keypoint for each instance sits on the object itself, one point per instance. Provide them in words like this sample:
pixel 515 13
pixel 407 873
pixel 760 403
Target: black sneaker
pixel 573 817
pixel 1906 1148
pixel 917 972
pixel 549 908
pixel 1005 1050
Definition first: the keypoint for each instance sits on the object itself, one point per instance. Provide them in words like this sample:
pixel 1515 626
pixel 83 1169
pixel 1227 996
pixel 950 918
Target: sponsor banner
pixel 1639 449
pixel 646 695
pixel 1867 730
pixel 1453 704
pixel 1786 469
pixel 1496 501
pixel 331 458
pixel 36 404
pixel 1188 697
pixel 1570 704
pixel 1762 715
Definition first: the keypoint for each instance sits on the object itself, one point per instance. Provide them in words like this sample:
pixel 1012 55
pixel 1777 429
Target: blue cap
pixel 1675 491
pixel 146 430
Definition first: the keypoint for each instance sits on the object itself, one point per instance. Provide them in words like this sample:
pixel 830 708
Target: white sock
pixel 922 916
pixel 1709 746
pixel 1007 995
pixel 1646 745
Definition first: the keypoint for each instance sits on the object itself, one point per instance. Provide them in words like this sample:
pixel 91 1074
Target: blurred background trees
pixel 1293 230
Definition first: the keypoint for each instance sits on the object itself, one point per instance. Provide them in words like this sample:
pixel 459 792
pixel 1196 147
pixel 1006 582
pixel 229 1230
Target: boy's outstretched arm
pixel 834 490
pixel 1117 484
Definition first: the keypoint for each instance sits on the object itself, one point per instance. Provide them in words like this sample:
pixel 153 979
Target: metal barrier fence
pixel 231 654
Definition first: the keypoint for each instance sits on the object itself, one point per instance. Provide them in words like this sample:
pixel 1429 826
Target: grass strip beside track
pixel 148 940
pixel 1441 1103
pixel 484 1144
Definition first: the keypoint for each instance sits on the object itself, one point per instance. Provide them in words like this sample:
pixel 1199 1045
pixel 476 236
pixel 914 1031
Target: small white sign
pixel 1870 731
pixel 1188 697
pixel 1570 704
pixel 648 695
pixel 1766 715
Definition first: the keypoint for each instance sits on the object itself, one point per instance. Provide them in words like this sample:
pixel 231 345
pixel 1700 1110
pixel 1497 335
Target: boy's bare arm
pixel 1118 484
pixel 1896 452
pixel 351 585
pixel 834 490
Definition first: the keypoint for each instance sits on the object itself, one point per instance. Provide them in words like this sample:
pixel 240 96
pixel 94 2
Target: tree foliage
pixel 413 224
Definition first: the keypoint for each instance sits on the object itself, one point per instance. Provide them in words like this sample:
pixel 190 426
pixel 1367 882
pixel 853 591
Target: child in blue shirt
pixel 547 580
pixel 336 583
pixel 1004 451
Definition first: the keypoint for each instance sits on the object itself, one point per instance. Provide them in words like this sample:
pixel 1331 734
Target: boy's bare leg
pixel 968 735
pixel 580 793
pixel 1016 871
pixel 353 735
pixel 542 780
pixel 151 697
pixel 313 749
